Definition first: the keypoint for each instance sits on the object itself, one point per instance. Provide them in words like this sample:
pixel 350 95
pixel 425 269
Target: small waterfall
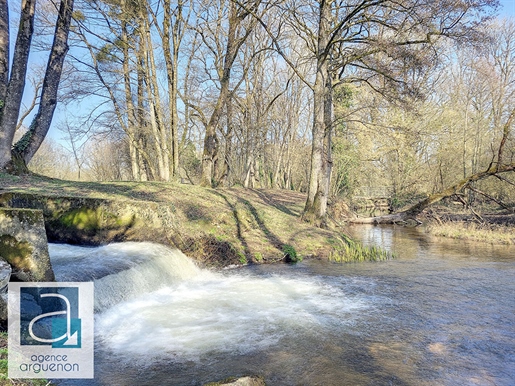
pixel 122 271
pixel 151 299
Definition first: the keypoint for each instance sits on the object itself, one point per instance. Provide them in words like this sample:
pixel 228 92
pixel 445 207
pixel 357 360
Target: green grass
pixel 291 254
pixel 4 381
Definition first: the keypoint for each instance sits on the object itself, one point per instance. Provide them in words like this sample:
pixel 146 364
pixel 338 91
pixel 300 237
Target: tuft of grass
pixel 350 251
pixel 242 258
pixel 290 254
pixel 486 233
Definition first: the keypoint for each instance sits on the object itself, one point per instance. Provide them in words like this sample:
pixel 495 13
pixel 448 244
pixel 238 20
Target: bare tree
pixel 28 145
pixel 237 33
pixel 371 42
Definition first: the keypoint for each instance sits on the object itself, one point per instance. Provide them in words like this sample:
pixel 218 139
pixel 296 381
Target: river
pixel 440 313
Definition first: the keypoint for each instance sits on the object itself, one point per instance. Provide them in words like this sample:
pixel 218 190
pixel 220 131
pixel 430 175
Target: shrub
pixel 290 254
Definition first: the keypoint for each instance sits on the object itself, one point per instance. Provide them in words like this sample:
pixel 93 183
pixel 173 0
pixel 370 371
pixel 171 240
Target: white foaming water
pixel 163 305
pixel 122 270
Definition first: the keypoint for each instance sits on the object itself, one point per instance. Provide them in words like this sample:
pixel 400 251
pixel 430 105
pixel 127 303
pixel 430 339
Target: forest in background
pixel 333 99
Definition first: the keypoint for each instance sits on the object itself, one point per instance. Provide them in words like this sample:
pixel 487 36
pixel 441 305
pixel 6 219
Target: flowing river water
pixel 441 313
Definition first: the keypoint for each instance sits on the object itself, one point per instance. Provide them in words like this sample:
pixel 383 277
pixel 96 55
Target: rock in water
pixel 244 381
pixel 23 244
pixel 5 275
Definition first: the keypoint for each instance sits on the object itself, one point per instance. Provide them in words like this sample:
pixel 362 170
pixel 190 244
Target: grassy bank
pixel 235 226
pixel 486 233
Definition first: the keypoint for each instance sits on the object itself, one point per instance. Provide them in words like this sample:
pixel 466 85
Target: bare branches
pixel 505 133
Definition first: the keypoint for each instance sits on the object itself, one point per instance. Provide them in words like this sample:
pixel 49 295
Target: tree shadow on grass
pixel 271 237
pixel 275 203
pixel 238 223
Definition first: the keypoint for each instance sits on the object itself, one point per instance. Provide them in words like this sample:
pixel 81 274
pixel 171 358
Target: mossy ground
pixel 239 225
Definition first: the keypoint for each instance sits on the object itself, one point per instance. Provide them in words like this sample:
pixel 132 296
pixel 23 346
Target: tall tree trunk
pixel 171 55
pixel 145 163
pixel 156 113
pixel 30 143
pixel 10 109
pixel 4 53
pixel 224 179
pixel 234 43
pixel 187 109
pixel 134 137
pixel 131 113
pixel 210 153
pixel 315 210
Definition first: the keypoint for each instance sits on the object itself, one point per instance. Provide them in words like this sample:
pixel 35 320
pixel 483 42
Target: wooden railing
pixel 373 192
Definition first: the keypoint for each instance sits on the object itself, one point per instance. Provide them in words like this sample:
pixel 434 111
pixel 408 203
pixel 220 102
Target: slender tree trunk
pixel 131 113
pixel 145 163
pixel 135 137
pixel 185 132
pixel 315 210
pixel 210 153
pixel 249 176
pixel 13 94
pixel 171 55
pixel 28 145
pixel 174 134
pixel 156 113
pixel 4 53
pixel 155 116
pixel 224 179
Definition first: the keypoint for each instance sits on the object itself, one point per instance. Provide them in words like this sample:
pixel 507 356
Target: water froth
pixel 159 303
pixel 235 313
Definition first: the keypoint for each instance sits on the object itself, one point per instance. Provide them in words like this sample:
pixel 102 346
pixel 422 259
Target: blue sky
pixel 508 7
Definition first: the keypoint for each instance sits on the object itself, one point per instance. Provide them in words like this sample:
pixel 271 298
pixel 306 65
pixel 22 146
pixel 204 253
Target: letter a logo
pixel 49 316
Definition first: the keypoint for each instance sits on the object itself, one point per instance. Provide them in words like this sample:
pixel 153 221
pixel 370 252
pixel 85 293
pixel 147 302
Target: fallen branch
pixel 412 212
pixel 500 203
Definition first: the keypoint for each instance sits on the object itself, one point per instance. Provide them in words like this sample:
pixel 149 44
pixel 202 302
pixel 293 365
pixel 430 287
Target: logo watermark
pixel 50 330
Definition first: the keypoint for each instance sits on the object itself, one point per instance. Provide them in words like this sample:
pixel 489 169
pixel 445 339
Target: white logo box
pixel 51 330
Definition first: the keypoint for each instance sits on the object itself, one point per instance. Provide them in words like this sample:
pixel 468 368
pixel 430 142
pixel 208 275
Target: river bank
pixel 219 227
pixel 485 233
pixel 489 225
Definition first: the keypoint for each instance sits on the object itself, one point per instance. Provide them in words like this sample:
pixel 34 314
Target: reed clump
pixel 349 251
